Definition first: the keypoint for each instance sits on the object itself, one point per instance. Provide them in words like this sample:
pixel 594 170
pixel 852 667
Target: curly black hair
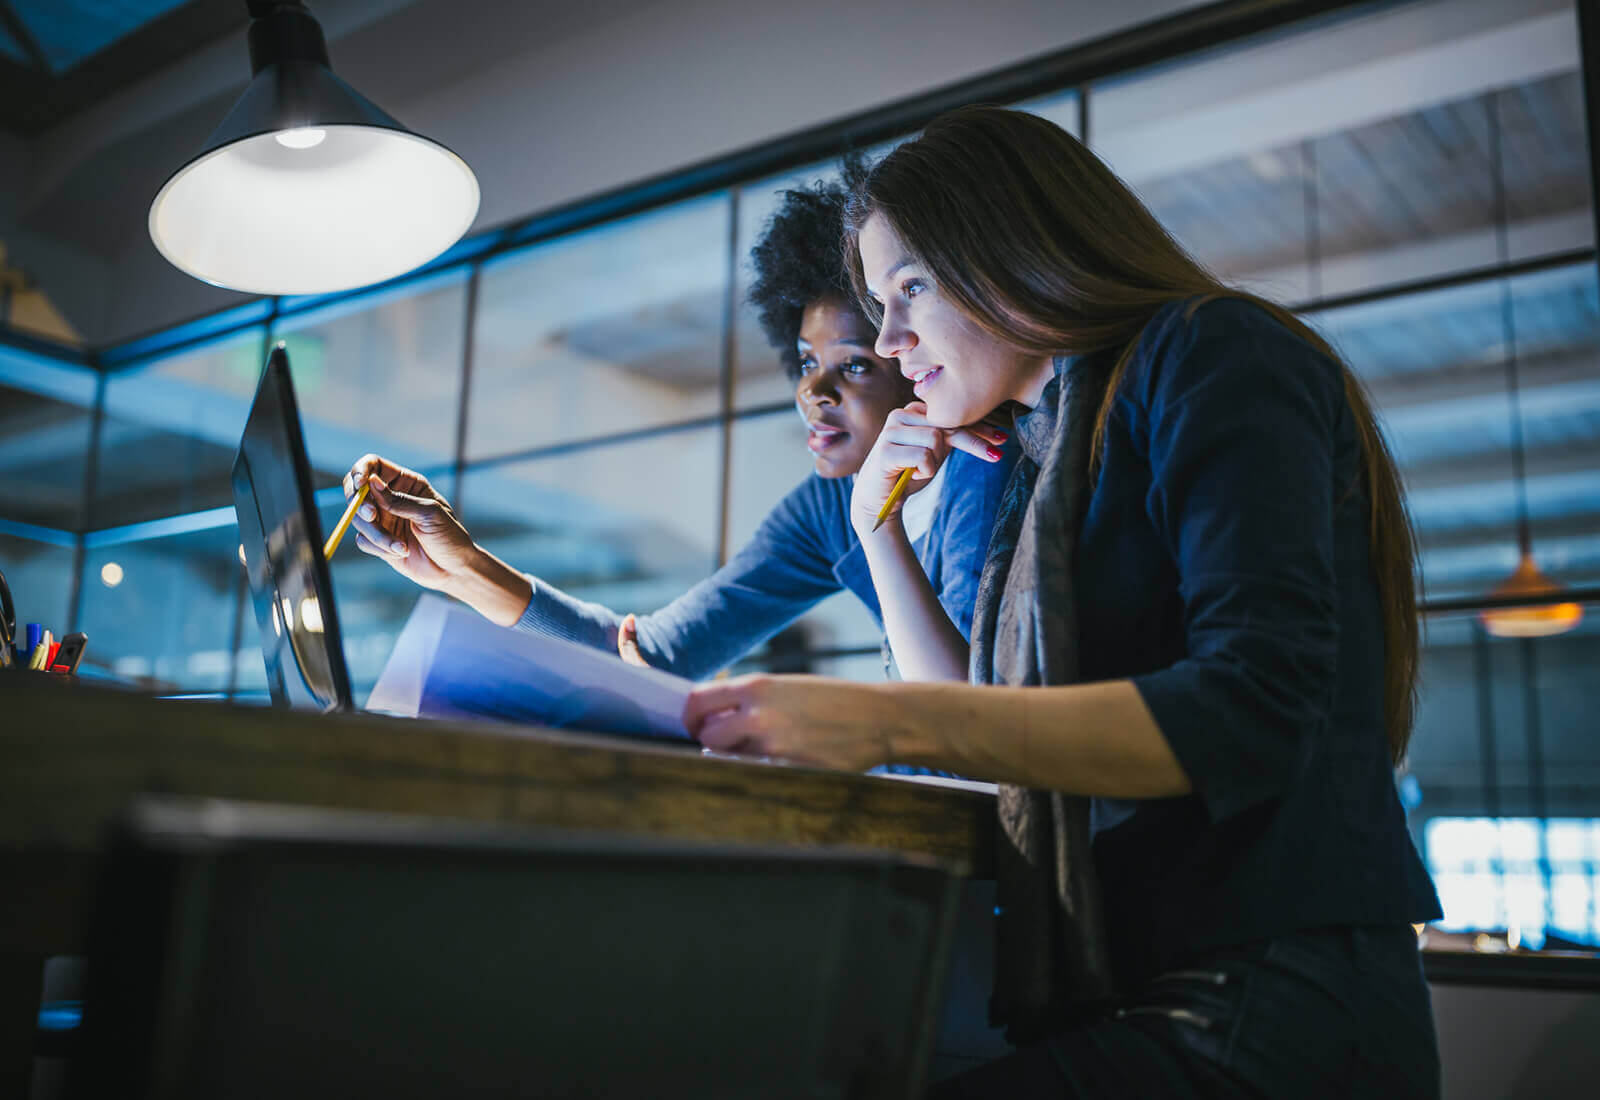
pixel 800 258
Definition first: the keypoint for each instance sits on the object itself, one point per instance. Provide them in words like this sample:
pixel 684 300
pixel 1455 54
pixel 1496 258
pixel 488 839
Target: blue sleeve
pixel 958 537
pixel 1237 418
pixel 784 569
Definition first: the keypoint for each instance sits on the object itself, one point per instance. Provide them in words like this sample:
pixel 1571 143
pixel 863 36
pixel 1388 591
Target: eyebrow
pixel 904 261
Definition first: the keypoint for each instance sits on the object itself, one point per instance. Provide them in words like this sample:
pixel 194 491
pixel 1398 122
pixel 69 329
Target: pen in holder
pixel 8 626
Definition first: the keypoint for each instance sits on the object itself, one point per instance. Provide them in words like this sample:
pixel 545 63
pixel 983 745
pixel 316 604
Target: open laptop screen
pixel 282 539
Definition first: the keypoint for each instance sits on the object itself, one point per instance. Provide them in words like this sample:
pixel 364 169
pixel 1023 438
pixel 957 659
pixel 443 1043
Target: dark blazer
pixel 1223 566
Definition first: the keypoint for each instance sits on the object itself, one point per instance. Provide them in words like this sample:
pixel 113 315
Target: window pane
pixel 605 331
pixel 769 458
pixel 39 575
pixel 1413 195
pixel 45 416
pixel 381 374
pixel 1557 316
pixel 1357 152
pixel 630 525
pixel 171 431
pixel 1436 364
pixel 1062 108
pixel 1190 138
pixel 168 621
pixel 1506 731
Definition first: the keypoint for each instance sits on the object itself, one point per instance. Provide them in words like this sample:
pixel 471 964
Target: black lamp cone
pixel 293 95
pixel 293 88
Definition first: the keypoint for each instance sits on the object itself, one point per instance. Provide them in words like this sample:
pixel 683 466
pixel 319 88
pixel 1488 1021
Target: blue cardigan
pixel 803 551
pixel 1223 567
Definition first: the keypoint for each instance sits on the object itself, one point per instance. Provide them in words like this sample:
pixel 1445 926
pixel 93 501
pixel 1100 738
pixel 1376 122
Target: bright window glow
pixel 1518 875
pixel 311 615
pixel 303 138
pixel 111 574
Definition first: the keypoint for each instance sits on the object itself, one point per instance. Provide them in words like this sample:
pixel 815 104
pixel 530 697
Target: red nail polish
pixel 994 455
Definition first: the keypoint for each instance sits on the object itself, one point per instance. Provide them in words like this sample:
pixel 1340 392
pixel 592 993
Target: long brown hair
pixel 1033 238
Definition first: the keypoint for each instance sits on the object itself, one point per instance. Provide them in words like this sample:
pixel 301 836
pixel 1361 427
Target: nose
pixel 895 337
pixel 817 388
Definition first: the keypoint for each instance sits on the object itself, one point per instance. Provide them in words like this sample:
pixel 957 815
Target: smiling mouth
pixel 923 377
pixel 821 437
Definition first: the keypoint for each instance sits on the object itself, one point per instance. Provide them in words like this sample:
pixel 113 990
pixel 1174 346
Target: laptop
pixel 290 584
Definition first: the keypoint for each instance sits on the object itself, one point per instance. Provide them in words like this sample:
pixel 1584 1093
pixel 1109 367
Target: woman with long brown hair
pixel 1194 653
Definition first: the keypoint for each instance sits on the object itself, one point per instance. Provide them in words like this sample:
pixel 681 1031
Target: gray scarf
pixel 1051 961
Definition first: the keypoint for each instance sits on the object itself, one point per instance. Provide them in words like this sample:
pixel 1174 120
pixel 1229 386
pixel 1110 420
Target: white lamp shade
pixel 362 205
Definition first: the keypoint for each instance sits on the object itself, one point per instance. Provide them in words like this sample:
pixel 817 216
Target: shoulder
pixel 1228 346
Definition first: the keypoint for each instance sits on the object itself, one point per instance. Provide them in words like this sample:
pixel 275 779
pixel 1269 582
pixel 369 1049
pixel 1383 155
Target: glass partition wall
pixel 600 404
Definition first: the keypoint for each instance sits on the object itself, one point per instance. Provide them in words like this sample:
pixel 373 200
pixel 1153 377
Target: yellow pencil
pixel 900 486
pixel 344 522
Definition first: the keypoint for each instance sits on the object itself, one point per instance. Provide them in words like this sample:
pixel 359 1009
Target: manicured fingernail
pixel 398 547
pixel 994 455
pixel 1000 436
pixel 368 512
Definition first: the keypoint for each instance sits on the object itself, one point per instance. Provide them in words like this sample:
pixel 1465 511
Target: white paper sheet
pixel 450 662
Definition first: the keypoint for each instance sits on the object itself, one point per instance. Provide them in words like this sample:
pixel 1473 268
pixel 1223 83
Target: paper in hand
pixel 449 662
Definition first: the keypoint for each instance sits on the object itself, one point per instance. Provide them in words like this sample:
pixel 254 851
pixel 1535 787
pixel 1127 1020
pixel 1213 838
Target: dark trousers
pixel 1339 1012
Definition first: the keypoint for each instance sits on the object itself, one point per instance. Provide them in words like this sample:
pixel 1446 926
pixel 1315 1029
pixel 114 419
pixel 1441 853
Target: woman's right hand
pixel 407 523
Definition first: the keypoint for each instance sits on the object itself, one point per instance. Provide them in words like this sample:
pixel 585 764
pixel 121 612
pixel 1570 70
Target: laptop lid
pixel 290 584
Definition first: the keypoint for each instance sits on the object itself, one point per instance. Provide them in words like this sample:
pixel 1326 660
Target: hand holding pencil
pixel 399 517
pixel 907 454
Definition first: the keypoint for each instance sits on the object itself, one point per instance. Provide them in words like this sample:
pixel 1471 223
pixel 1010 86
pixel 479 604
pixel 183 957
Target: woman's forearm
pixel 1090 739
pixel 492 588
pixel 926 644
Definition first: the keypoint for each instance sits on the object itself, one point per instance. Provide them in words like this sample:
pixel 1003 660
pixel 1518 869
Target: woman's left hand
pixel 807 719
pixel 909 441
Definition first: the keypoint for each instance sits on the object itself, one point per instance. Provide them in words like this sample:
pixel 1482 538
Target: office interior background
pixel 584 379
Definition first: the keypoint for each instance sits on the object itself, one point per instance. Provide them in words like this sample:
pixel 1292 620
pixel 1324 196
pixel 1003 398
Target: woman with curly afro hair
pixel 805 549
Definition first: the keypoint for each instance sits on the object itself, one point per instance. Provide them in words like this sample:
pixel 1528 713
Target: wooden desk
pixel 72 756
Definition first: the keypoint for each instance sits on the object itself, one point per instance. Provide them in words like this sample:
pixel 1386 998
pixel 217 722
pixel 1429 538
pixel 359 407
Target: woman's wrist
pixel 491 588
pixel 914 727
pixel 890 532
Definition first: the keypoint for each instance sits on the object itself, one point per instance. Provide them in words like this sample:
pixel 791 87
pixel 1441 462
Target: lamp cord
pixel 1508 321
pixel 260 9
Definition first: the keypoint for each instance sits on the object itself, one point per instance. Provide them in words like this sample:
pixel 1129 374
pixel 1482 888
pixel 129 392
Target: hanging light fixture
pixel 308 187
pixel 1544 614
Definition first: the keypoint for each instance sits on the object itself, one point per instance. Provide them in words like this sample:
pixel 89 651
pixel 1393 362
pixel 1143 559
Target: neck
pixel 1035 381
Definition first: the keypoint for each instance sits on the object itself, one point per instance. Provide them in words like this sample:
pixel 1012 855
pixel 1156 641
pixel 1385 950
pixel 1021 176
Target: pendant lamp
pixel 1544 614
pixel 308 187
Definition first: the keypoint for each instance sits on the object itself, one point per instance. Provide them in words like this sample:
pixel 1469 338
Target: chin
pixel 941 417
